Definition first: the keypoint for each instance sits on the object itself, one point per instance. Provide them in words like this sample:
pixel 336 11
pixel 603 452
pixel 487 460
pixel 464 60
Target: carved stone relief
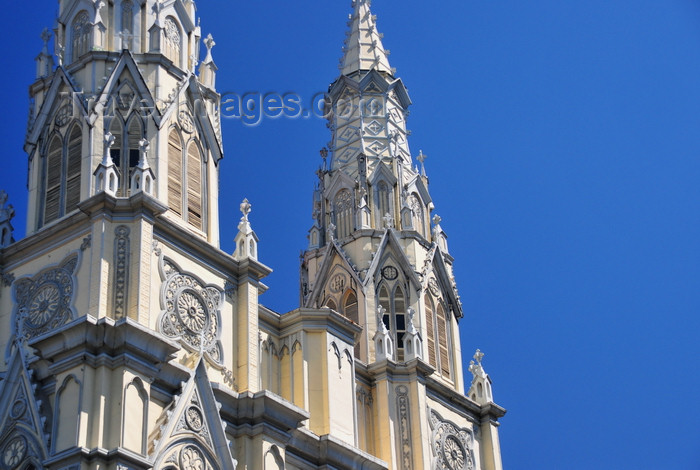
pixel 404 426
pixel 121 269
pixel 452 447
pixel 44 302
pixel 191 312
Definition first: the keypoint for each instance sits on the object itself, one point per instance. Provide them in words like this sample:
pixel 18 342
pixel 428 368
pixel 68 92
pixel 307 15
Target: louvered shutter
pixel 75 147
pixel 194 187
pixel 442 339
pixel 430 331
pixel 175 173
pixel 52 196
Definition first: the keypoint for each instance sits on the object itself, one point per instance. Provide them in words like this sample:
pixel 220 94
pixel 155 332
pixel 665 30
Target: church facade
pixel 133 342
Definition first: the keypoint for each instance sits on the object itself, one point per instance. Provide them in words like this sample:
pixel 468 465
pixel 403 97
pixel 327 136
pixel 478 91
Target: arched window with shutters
pixel 350 310
pixel 130 158
pixel 74 153
pixel 330 303
pixel 175 172
pixel 443 336
pixel 195 187
pixel 430 329
pixel 81 33
pixel 438 331
pixel 117 131
pixel 394 303
pixel 343 208
pixel 399 321
pixel 52 189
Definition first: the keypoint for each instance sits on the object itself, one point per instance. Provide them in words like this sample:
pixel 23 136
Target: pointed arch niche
pixel 135 410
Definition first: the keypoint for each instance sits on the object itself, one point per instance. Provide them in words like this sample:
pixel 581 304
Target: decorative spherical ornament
pixel 43 305
pixel 390 273
pixel 19 407
pixel 191 311
pixel 194 418
pixel 14 452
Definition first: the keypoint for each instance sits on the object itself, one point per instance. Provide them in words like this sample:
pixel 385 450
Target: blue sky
pixel 564 158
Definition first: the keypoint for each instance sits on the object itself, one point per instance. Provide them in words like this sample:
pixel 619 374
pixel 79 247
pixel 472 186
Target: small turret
pixel 106 174
pixel 207 70
pixel 246 240
pixel 143 177
pixel 44 61
pixel 480 390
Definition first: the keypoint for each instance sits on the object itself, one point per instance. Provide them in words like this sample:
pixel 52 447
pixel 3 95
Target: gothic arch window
pixel 62 175
pixel 81 31
pixel 175 172
pixel 399 321
pixel 73 164
pixel 382 202
pixel 173 40
pixel 394 315
pixel 350 309
pixel 430 329
pixel 343 208
pixel 115 152
pixel 330 303
pixel 417 216
pixel 438 332
pixel 52 190
pixel 195 189
pixel 443 334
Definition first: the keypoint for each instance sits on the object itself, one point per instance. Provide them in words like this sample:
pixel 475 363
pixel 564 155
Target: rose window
pixel 191 311
pixel 454 454
pixel 44 305
pixel 14 452
pixel 191 459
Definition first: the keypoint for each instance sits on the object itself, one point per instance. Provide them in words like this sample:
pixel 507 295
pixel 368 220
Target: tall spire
pixel 363 48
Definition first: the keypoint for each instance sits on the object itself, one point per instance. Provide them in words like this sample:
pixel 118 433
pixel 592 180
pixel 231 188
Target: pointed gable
pixel 333 256
pixel 192 428
pixel 21 424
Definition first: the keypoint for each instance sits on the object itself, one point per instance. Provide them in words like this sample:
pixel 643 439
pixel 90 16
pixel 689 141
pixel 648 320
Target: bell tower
pixel 378 255
pixel 127 72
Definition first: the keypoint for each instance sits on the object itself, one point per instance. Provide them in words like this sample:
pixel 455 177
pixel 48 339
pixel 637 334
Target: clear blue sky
pixel 563 143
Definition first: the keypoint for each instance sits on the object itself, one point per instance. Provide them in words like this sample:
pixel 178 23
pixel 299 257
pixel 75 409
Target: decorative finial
pixel 3 198
pixel 46 36
pixel 143 150
pixel 411 328
pixel 437 219
pixel 478 356
pixel 421 158
pixel 245 209
pixel 380 319
pixel 209 42
pixel 331 231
